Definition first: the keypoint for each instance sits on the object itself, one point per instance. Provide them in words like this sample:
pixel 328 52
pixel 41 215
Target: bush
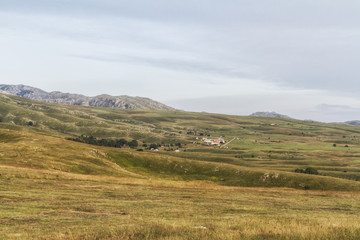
pixel 309 170
pixel 133 144
pixel 153 145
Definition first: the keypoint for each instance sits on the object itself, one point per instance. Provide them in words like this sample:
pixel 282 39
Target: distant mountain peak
pixel 353 122
pixel 104 100
pixel 269 114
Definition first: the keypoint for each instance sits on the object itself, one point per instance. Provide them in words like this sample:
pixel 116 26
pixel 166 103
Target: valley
pixel 52 187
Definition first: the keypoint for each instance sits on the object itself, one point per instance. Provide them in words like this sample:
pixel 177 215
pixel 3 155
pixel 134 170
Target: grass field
pixel 70 206
pixel 53 188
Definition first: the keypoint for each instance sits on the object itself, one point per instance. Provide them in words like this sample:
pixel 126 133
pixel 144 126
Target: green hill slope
pixel 260 152
pixel 54 188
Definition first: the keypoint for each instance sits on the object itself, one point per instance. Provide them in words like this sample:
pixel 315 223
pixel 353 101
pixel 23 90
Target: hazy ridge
pixel 121 102
pixel 269 114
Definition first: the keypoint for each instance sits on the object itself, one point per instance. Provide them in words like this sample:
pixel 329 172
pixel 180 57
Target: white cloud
pixel 235 57
pixel 301 104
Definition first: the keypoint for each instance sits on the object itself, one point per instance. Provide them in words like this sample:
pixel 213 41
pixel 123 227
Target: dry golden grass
pixel 51 188
pixel 49 205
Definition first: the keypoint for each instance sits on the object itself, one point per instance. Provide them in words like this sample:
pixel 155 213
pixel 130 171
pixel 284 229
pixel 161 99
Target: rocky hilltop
pixel 269 114
pixel 122 102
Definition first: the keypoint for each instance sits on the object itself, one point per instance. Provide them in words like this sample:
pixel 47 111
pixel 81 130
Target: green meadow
pixel 54 188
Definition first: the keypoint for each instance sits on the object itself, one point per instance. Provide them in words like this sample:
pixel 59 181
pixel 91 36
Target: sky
pixel 295 57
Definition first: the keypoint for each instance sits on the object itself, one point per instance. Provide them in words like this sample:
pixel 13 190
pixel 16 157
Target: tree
pixel 121 142
pixel 153 145
pixel 133 144
pixel 311 170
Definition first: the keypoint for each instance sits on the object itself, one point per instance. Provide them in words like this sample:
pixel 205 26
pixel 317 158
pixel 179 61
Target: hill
pixel 56 188
pixel 269 114
pixel 122 102
pixel 254 145
pixel 354 122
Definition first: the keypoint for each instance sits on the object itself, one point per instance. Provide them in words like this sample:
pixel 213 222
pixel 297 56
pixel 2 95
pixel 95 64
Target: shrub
pixel 153 145
pixel 311 170
pixel 133 144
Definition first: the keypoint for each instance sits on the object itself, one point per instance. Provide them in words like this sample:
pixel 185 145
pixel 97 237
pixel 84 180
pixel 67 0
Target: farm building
pixel 213 141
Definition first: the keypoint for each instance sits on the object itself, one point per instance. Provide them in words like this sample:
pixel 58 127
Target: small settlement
pixel 213 141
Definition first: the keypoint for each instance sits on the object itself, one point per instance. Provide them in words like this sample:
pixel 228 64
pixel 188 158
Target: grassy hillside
pixel 258 144
pixel 28 150
pixel 53 188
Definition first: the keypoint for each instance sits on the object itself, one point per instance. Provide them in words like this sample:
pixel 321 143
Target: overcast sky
pixel 295 57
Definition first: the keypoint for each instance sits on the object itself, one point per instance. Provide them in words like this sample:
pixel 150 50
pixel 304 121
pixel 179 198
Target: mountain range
pixel 121 102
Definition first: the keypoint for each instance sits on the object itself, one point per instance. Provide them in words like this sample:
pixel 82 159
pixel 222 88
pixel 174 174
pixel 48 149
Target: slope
pixel 262 150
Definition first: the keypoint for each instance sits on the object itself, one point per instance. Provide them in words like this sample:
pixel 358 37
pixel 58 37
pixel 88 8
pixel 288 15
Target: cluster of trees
pixel 309 170
pixel 155 145
pixel 191 132
pixel 117 143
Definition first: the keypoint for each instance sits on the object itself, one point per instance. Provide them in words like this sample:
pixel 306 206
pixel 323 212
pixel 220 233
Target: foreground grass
pixel 74 206
pixel 51 204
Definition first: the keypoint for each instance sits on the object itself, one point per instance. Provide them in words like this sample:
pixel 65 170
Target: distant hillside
pixel 354 122
pixel 260 152
pixel 269 114
pixel 122 102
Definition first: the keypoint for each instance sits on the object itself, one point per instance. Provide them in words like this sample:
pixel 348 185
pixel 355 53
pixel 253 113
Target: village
pixel 213 141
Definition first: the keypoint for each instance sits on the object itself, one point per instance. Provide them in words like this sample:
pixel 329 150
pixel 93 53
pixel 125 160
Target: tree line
pixel 116 143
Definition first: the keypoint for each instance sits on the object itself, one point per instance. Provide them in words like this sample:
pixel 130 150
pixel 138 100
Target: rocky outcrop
pixel 122 102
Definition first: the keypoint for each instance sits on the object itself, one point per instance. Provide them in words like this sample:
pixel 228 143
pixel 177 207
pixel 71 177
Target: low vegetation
pixel 308 170
pixel 116 143
pixel 95 186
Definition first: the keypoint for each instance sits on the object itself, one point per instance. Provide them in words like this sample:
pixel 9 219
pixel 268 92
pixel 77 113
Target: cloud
pixel 194 65
pixel 231 57
pixel 337 108
pixel 300 104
